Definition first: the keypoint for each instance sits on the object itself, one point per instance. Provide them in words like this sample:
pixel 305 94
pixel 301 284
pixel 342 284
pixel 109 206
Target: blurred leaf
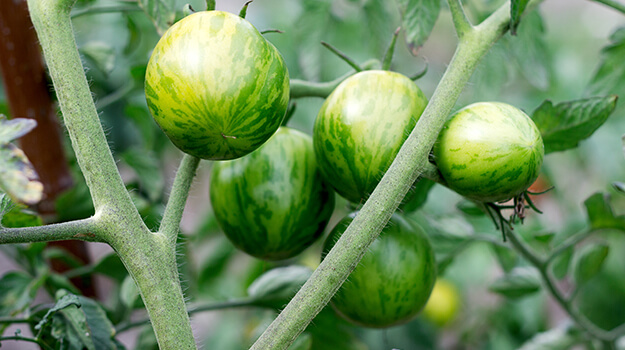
pixel 129 293
pixel 553 339
pixel 619 186
pixel 611 72
pixel 101 54
pixel 309 34
pixel 418 195
pixel 492 73
pixel 144 123
pixel 148 169
pixel 418 19
pixel 134 37
pixel 589 262
pixel 65 301
pixel 277 286
pixel 146 339
pixel 600 213
pixel 303 342
pixel 216 263
pixel 328 328
pixel 562 126
pixel 74 203
pixel 111 266
pixel 15 292
pixel 161 12
pixel 470 208
pixel 58 282
pixel 13 129
pixel 379 22
pixel 86 327
pixel 18 215
pixel 507 258
pixel 516 10
pixel 520 282
pixel 529 49
pixel 561 263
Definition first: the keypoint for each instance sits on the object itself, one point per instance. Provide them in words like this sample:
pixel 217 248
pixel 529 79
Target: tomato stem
pixel 388 57
pixel 243 12
pixel 210 5
pixel 342 56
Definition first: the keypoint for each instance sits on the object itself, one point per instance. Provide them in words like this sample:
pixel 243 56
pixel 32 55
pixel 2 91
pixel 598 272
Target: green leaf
pixel 216 262
pixel 516 10
pixel 86 327
pixel 13 129
pixel 564 125
pixel 418 19
pixel 327 328
pixel 561 263
pixel 65 301
pixel 14 292
pixel 470 208
pixel 161 12
pixel 18 215
pixel 611 72
pixel 520 282
pixel 134 37
pixel 561 338
pixel 148 169
pixel 111 266
pixel 530 51
pixel 507 258
pixel 600 213
pixel 276 287
pixel 129 293
pixel 589 262
pixel 309 32
pixel 102 55
pixel 418 195
pixel 303 342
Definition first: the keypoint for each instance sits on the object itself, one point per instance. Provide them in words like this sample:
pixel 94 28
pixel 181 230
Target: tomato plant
pixel 215 86
pixel 361 127
pixel 394 279
pixel 272 203
pixel 489 152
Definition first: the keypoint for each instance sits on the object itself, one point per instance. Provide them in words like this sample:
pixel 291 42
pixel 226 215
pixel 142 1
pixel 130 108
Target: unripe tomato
pixel 392 282
pixel 215 86
pixel 489 152
pixel 443 304
pixel 361 127
pixel 272 203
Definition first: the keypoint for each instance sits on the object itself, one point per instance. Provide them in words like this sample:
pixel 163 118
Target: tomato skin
pixel 272 203
pixel 216 86
pixel 394 279
pixel 361 127
pixel 489 152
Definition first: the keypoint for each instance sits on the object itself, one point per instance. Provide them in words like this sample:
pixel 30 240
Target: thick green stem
pixel 407 166
pixel 178 197
pixel 148 257
pixel 84 230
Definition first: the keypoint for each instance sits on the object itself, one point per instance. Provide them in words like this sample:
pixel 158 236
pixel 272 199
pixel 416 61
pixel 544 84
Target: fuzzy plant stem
pixel 148 257
pixel 407 166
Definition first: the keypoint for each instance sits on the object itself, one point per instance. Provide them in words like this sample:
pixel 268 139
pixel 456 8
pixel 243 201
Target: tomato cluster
pixel 219 91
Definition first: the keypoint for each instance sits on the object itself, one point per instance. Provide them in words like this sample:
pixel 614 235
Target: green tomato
pixel 215 86
pixel 272 203
pixel 489 152
pixel 361 127
pixel 394 279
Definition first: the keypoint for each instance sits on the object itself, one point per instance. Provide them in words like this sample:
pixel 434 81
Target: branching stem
pixel 459 17
pixel 301 88
pixel 84 230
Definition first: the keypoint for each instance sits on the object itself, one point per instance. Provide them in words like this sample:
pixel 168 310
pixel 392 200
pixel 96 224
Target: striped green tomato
pixel 489 152
pixel 394 279
pixel 272 203
pixel 361 127
pixel 215 86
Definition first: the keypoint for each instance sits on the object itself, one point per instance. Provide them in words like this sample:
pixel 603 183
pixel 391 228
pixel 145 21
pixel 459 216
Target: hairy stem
pixel 84 230
pixel 459 17
pixel 410 162
pixel 178 197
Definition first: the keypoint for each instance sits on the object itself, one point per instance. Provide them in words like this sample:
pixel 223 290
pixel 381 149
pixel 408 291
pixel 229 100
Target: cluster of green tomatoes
pixel 220 91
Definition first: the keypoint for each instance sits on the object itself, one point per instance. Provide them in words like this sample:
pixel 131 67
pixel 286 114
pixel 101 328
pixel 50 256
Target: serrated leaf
pixel 18 177
pixel 516 10
pixel 611 72
pixel 17 215
pixel 418 19
pixel 600 213
pixel 147 167
pixel 589 262
pixel 561 263
pixel 564 125
pixel 161 12
pixel 13 129
pixel 530 51
pixel 101 54
pixel 277 286
pixel 520 282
